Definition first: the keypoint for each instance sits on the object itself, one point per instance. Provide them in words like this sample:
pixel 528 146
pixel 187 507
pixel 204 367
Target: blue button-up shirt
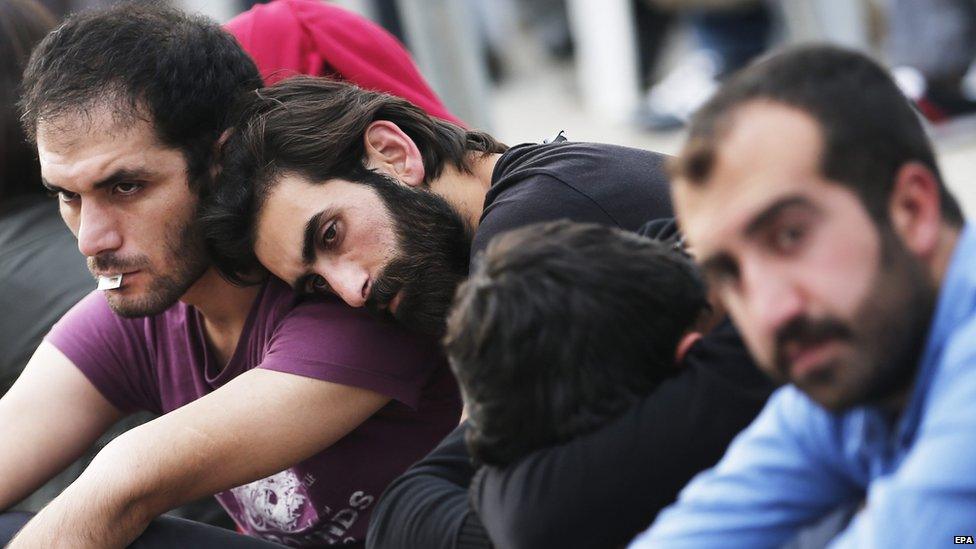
pixel 797 462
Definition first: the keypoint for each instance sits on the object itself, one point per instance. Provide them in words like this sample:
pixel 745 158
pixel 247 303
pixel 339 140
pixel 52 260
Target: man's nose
pixel 97 231
pixel 348 280
pixel 774 297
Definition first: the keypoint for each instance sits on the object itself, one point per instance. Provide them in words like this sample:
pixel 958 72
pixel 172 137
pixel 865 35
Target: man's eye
pixel 65 196
pixel 127 188
pixel 724 276
pixel 330 234
pixel 317 284
pixel 788 238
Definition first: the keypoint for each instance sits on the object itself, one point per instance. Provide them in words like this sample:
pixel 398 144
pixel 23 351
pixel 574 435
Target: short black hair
pixel 313 127
pixel 182 71
pixel 23 23
pixel 870 130
pixel 560 327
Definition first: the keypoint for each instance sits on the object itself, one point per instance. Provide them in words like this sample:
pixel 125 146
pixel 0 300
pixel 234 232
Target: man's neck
pixel 938 265
pixel 942 256
pixel 466 191
pixel 224 308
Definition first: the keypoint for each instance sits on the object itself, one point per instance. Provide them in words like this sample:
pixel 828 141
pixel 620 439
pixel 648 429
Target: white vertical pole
pixel 446 44
pixel 606 56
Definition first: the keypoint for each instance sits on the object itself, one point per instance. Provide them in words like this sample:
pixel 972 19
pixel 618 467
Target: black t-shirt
pixel 585 182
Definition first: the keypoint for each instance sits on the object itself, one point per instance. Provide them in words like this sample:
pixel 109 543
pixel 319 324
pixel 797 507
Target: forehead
pixel 294 198
pixel 768 151
pixel 79 148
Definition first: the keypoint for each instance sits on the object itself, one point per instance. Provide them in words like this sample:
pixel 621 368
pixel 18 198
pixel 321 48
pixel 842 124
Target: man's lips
pixel 805 360
pixel 99 273
pixel 126 276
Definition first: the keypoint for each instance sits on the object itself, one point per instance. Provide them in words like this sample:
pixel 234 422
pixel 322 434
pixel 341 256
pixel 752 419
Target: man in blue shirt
pixel 811 197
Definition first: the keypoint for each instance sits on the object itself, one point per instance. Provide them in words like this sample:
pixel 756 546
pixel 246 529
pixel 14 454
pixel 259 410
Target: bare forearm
pixel 64 525
pixel 103 508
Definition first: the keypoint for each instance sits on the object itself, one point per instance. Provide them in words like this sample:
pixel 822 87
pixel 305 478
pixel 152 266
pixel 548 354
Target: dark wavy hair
pixel 23 23
pixel 183 72
pixel 560 327
pixel 313 127
pixel 869 128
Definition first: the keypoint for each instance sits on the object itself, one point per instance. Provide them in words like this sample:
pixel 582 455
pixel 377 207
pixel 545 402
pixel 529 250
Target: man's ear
pixel 915 209
pixel 393 153
pixel 687 340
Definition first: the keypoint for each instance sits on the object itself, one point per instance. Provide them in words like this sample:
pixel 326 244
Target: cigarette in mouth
pixel 109 282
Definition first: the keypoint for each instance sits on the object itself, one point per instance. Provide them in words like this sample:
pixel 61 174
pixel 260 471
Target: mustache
pixel 113 263
pixel 805 332
pixel 385 288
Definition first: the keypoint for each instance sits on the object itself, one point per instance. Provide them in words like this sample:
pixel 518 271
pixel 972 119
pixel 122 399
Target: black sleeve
pixel 536 199
pixel 428 506
pixel 603 488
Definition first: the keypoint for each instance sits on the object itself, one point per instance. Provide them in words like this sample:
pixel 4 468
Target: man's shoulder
pixel 582 182
pixel 952 345
pixel 954 382
pixel 572 158
pixel 92 312
pixel 280 306
pixel 320 337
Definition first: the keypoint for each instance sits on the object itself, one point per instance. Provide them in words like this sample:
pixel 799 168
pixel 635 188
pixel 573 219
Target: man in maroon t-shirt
pixel 295 411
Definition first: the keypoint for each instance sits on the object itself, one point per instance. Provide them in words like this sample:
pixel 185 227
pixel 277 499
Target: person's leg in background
pixel 653 26
pixel 734 36
pixel 724 39
pixel 931 45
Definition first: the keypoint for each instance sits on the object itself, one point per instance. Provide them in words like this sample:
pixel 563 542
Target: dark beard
pixel 902 306
pixel 188 259
pixel 888 330
pixel 433 252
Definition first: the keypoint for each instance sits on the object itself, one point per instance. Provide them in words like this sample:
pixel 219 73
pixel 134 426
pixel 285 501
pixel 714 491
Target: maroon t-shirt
pixel 162 362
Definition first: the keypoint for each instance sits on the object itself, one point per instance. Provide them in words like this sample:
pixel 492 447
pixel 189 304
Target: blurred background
pixel 632 71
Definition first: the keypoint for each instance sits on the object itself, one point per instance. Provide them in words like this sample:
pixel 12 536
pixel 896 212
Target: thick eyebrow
pixel 311 235
pixel 722 261
pixel 767 216
pixel 124 175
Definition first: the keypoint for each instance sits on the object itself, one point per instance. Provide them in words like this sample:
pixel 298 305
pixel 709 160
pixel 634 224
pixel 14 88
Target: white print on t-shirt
pixel 341 522
pixel 278 503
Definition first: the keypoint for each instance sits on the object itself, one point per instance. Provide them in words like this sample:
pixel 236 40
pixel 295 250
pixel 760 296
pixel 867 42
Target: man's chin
pixel 127 308
pixel 130 304
pixel 832 395
pixel 829 401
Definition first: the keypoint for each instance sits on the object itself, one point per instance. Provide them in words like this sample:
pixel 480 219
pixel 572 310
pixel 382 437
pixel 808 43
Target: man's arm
pixel 256 425
pixel 428 505
pixel 50 416
pixel 784 472
pixel 601 488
